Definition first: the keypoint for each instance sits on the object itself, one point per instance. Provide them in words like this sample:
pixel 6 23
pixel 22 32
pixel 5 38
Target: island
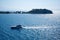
pixel 33 11
pixel 40 11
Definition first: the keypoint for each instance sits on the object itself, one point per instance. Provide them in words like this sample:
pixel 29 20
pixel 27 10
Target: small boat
pixel 17 27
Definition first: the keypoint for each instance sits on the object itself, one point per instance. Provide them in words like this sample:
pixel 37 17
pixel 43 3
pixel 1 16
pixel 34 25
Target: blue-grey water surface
pixel 30 20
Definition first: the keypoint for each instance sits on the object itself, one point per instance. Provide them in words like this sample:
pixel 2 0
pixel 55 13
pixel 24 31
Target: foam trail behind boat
pixel 38 27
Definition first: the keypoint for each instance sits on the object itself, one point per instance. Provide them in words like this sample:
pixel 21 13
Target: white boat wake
pixel 37 27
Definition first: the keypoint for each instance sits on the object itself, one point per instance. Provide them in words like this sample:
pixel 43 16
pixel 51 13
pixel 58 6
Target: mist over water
pixel 34 26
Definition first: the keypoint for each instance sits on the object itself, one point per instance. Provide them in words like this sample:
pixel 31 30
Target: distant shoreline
pixel 33 11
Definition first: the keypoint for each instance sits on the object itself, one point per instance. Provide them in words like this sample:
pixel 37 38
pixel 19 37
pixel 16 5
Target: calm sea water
pixel 35 26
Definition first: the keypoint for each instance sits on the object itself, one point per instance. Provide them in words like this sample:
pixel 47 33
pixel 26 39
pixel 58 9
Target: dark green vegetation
pixel 40 11
pixel 33 11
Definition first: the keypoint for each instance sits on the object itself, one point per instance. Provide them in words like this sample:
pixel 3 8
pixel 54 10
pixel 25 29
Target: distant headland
pixel 40 11
pixel 33 11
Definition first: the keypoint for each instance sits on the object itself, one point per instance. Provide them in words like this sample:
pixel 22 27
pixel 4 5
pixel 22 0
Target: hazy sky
pixel 24 5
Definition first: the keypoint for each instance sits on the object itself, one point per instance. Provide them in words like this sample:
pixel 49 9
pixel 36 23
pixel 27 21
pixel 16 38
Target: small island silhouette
pixel 33 11
pixel 40 11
